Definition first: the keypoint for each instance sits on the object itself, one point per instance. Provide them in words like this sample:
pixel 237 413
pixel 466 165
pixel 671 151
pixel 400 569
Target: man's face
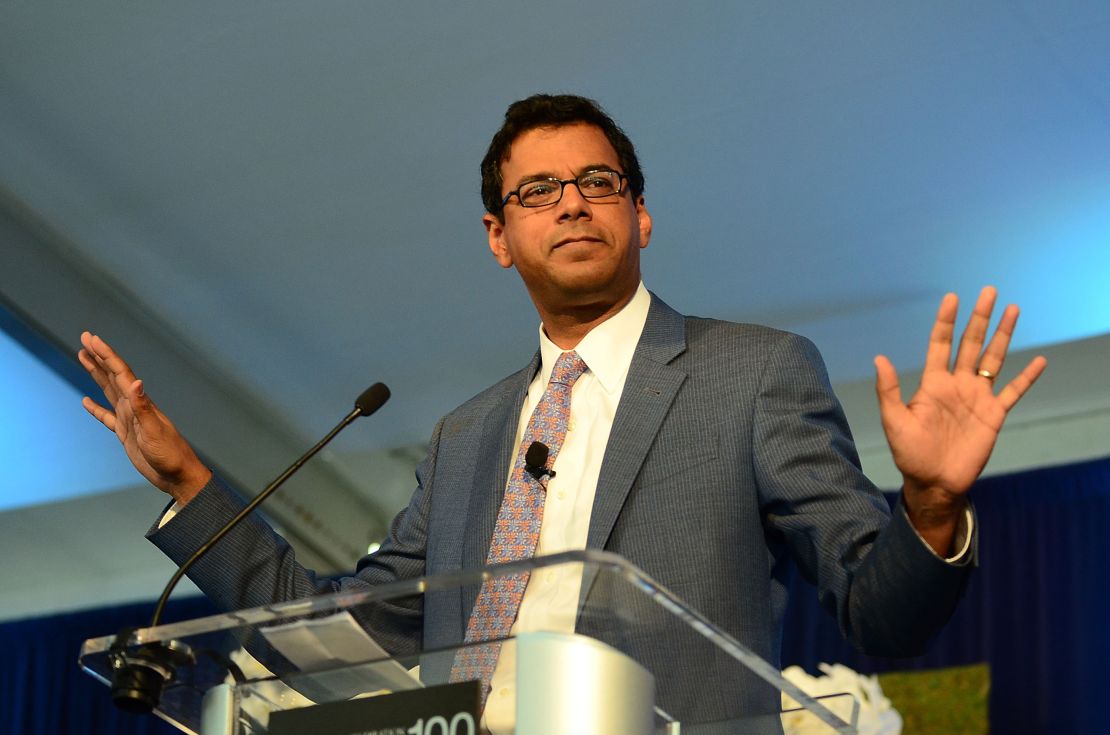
pixel 577 252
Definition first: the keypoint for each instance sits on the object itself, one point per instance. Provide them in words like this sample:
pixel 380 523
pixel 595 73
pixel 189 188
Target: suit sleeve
pixel 254 566
pixel 888 592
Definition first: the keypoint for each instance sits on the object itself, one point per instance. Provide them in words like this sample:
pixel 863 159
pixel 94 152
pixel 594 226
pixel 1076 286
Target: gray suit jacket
pixel 729 460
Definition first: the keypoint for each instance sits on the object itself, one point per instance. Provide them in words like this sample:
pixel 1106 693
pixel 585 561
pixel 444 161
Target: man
pixel 707 453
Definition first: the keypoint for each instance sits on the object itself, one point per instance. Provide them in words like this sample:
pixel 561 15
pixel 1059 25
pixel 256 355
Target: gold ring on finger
pixel 986 374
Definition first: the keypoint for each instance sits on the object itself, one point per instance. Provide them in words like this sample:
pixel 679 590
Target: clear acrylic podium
pixel 635 660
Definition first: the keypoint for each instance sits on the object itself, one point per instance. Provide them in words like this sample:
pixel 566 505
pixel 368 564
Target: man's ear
pixel 495 230
pixel 644 221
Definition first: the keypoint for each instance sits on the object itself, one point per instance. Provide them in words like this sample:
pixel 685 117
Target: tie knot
pixel 568 368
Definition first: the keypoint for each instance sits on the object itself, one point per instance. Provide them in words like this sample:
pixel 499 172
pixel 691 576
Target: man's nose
pixel 573 205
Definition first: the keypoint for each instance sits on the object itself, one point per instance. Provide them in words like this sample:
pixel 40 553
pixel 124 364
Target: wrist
pixel 927 514
pixel 932 503
pixel 935 514
pixel 191 483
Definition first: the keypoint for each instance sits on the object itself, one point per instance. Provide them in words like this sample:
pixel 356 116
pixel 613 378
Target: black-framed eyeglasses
pixel 591 185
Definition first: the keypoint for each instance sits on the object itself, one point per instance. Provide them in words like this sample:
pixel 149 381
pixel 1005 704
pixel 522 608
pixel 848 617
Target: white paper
pixel 337 649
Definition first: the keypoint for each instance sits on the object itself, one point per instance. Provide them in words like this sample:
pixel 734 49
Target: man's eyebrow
pixel 538 176
pixel 596 167
pixel 543 175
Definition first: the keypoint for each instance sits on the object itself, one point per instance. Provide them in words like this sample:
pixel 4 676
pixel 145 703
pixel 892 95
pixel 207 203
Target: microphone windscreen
pixel 536 455
pixel 372 399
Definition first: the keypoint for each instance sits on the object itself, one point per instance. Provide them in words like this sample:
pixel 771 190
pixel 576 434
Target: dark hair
pixel 552 111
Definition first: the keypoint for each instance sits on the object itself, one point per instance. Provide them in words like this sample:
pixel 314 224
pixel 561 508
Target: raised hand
pixel 941 440
pixel 151 441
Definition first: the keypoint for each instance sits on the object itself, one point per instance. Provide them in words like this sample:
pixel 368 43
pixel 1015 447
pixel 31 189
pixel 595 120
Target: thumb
pixel 887 389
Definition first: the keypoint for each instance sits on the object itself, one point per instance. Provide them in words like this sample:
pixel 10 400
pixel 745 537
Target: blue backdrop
pixel 42 690
pixel 1035 611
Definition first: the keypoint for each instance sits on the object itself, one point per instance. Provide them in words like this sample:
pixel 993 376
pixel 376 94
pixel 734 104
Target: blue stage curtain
pixel 44 692
pixel 1035 609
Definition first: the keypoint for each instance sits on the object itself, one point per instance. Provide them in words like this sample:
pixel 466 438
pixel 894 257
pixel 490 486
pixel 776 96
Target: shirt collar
pixel 608 348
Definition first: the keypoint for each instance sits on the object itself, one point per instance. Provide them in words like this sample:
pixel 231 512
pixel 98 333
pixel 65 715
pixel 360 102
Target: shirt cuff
pixel 169 514
pixel 965 528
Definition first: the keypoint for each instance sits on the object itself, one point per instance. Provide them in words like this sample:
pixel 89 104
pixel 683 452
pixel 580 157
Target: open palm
pixel 152 443
pixel 942 438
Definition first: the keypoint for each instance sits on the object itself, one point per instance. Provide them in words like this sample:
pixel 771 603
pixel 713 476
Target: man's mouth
pixel 575 239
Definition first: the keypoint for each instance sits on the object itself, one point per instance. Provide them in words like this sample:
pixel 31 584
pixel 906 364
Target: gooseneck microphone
pixel 368 402
pixel 137 680
pixel 535 461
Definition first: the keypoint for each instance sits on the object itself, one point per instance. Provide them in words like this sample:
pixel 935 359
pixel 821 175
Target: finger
pixel 994 357
pixel 86 336
pixel 109 359
pixel 100 413
pixel 92 367
pixel 967 357
pixel 88 360
pixel 940 339
pixel 1017 387
pixel 120 373
pixel 888 390
pixel 99 375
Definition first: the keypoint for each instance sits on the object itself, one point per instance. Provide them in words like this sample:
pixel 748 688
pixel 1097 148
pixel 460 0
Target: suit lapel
pixel 649 390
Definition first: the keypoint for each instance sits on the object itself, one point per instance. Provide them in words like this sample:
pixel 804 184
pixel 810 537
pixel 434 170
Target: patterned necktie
pixel 518 528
